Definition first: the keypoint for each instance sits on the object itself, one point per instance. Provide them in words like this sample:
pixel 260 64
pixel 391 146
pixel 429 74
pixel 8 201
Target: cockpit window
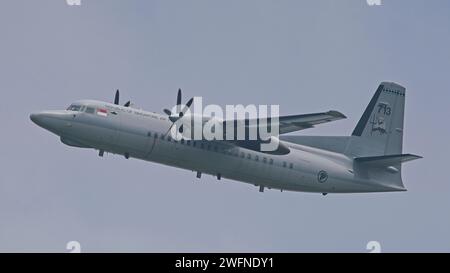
pixel 74 107
pixel 90 110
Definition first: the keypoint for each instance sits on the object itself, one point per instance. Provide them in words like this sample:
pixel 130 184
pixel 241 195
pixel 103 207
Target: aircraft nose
pixel 50 120
pixel 37 118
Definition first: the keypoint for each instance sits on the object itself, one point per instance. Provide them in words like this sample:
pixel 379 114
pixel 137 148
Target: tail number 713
pixel 384 109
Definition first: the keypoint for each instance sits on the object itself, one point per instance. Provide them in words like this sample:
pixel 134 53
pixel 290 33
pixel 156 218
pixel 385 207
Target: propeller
pixel 180 112
pixel 174 117
pixel 117 98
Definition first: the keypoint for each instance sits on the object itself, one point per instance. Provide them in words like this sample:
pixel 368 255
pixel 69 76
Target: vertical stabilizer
pixel 380 129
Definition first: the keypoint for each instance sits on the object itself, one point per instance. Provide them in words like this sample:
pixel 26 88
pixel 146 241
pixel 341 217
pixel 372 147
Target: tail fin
pixel 376 143
pixel 385 170
pixel 386 160
pixel 380 129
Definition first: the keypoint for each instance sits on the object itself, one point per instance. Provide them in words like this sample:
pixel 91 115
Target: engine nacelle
pixel 281 149
pixel 256 145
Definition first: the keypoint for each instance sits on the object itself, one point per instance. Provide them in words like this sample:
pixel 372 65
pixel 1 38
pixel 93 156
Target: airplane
pixel 369 160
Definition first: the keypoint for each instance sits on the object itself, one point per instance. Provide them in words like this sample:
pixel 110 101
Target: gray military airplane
pixel 369 160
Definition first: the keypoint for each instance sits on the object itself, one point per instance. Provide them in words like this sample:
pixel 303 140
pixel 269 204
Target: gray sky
pixel 306 56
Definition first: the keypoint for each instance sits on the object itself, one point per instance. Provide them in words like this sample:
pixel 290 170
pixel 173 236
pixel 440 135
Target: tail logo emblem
pixel 378 124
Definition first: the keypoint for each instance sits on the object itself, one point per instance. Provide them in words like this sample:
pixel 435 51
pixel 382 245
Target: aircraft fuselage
pixel 143 135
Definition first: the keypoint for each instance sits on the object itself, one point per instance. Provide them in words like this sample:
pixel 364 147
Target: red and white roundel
pixel 102 112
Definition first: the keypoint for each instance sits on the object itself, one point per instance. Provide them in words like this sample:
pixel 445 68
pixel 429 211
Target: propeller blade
pixel 186 107
pixel 189 103
pixel 179 100
pixel 116 98
pixel 127 104
pixel 170 128
pixel 168 112
pixel 179 97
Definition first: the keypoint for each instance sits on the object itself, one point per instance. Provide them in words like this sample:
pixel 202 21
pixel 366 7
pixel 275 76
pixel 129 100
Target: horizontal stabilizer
pixel 386 160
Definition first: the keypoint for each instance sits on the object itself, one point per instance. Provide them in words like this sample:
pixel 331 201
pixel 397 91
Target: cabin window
pixel 271 161
pixel 188 142
pixel 284 164
pixel 264 160
pixel 242 155
pixel 169 138
pixel 182 141
pixel 149 134
pixel 291 166
pixel 249 156
pixel 256 158
pixel 202 145
pixel 156 135
pixel 162 137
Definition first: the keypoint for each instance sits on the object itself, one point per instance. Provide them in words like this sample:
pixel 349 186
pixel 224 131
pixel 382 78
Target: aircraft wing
pixel 288 124
pixel 299 122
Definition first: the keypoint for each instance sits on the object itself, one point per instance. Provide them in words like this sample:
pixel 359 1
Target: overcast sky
pixel 306 56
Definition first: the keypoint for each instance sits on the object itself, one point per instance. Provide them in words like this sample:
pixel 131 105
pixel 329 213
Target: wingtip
pixel 337 114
